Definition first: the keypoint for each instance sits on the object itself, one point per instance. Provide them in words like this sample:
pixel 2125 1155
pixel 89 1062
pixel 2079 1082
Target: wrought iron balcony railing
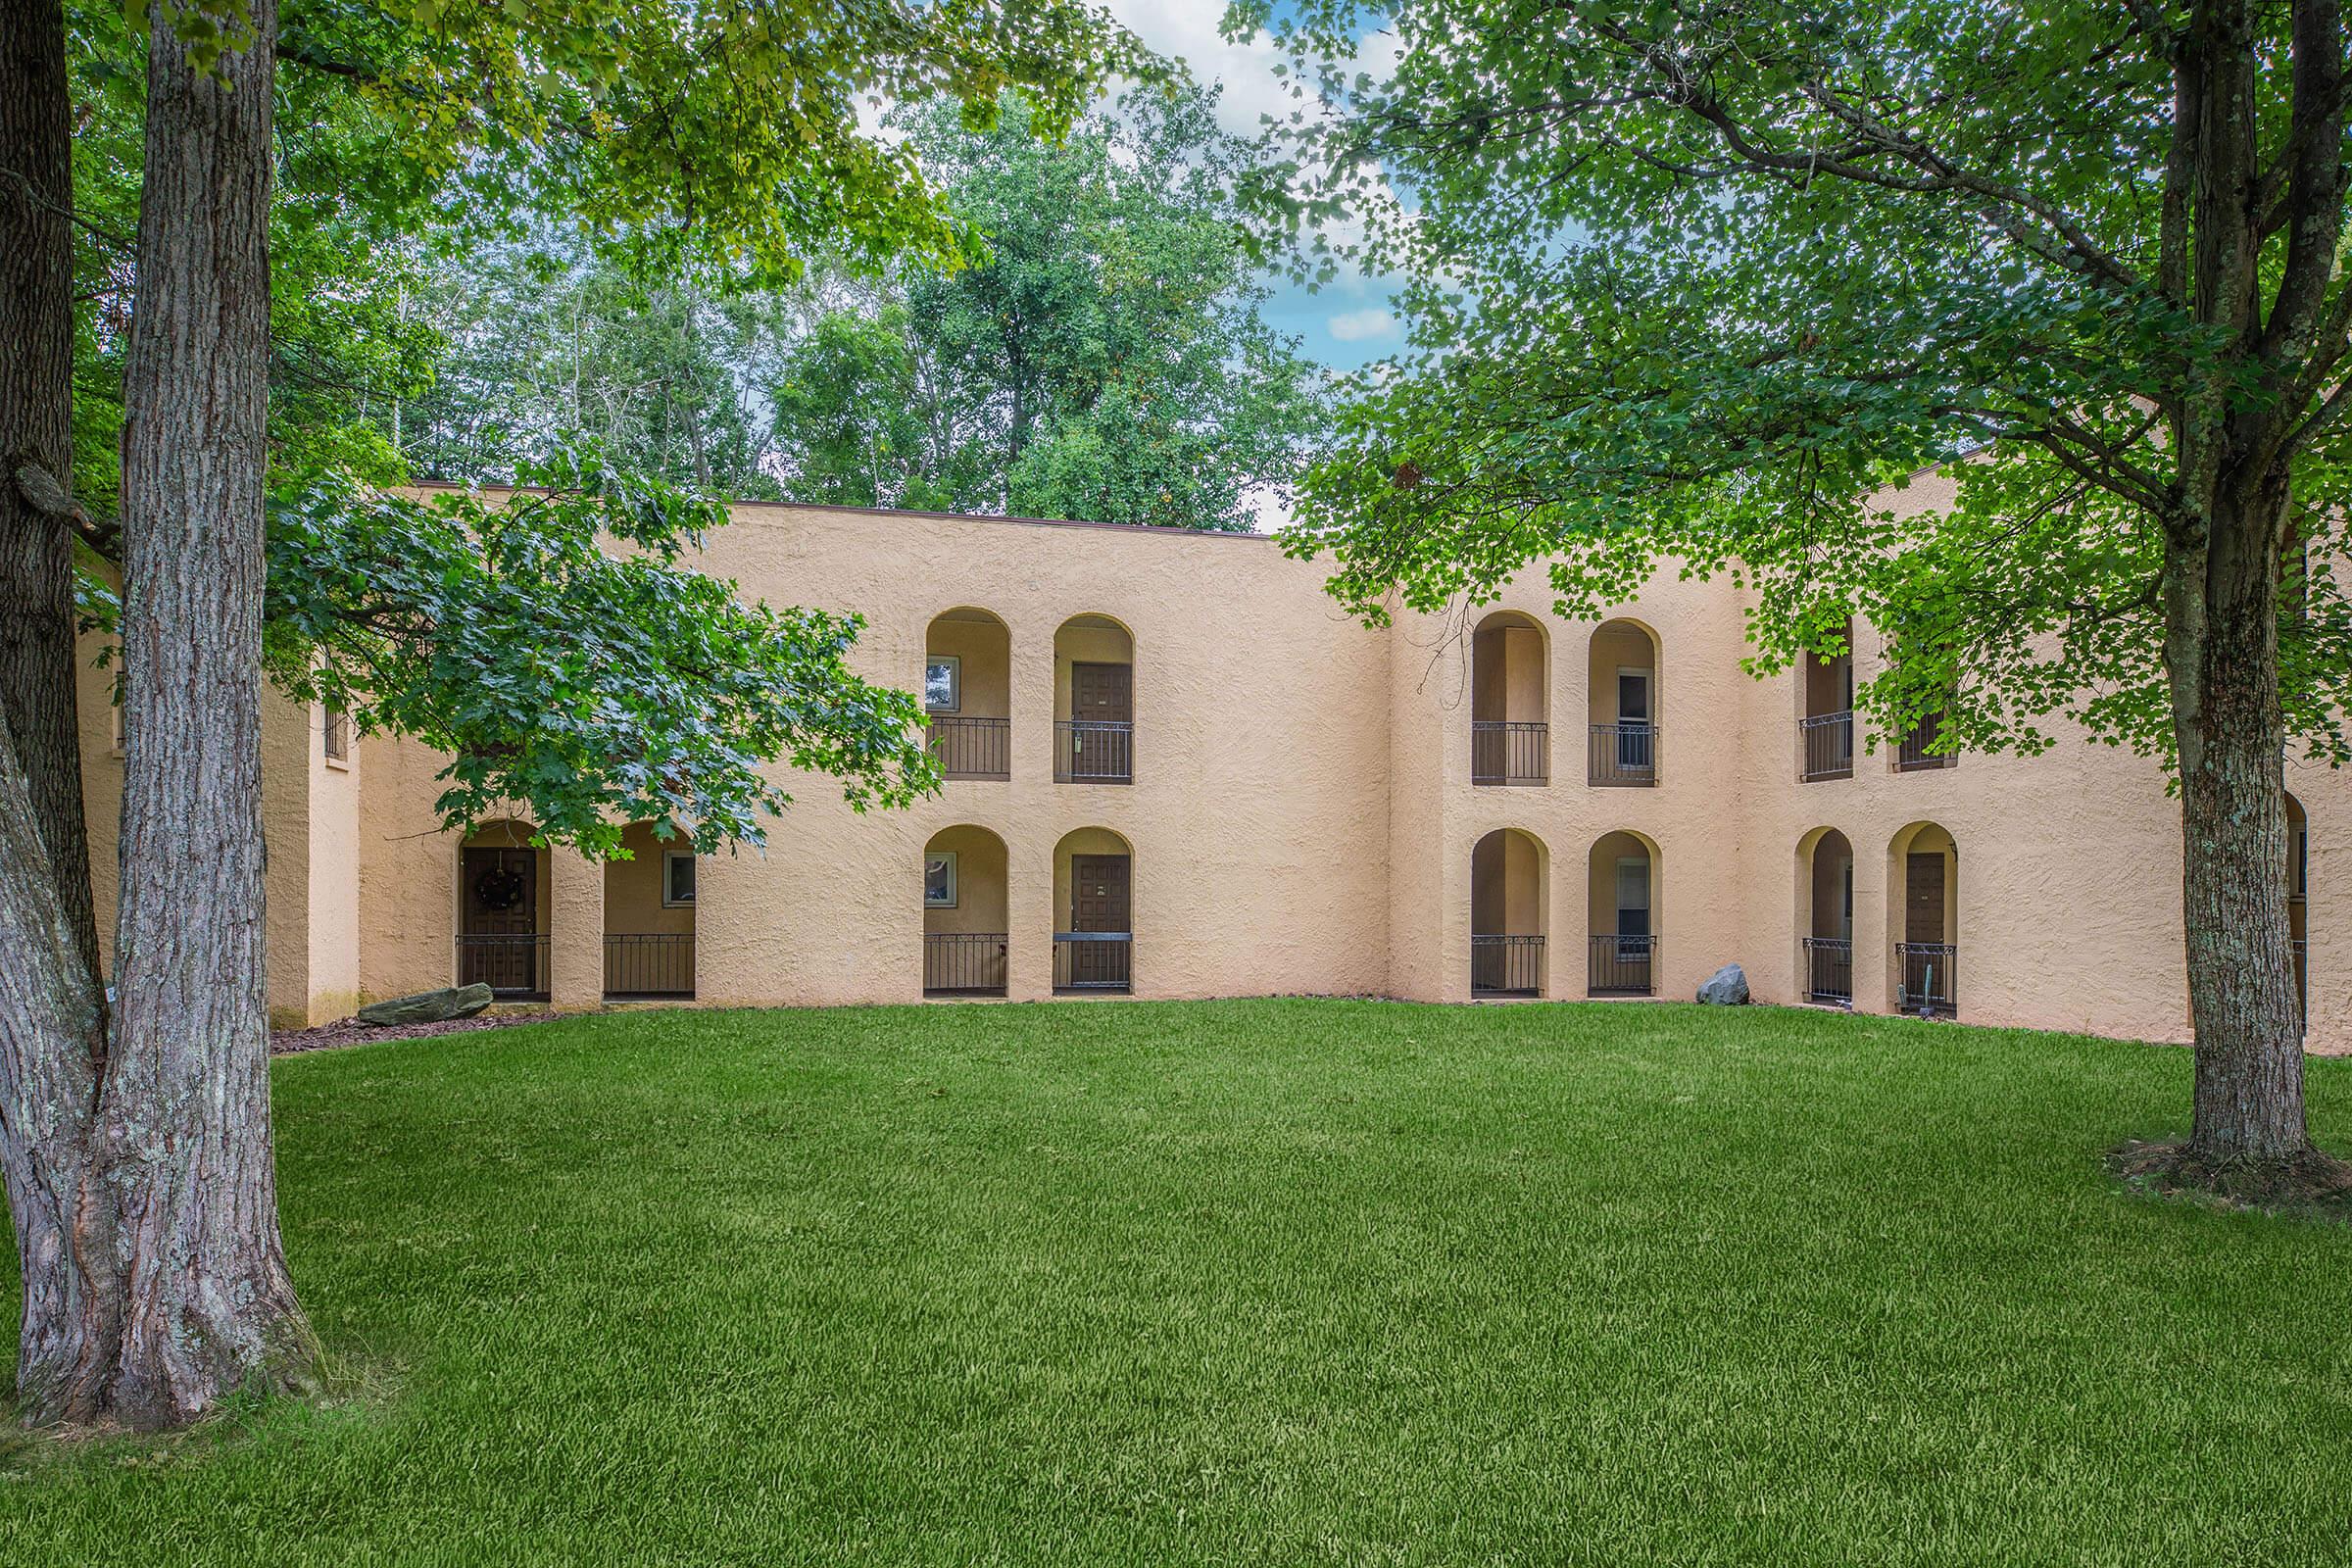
pixel 972 748
pixel 1093 752
pixel 1093 960
pixel 512 965
pixel 647 964
pixel 1510 753
pixel 1506 966
pixel 1930 983
pixel 1622 966
pixel 1622 755
pixel 1829 971
pixel 964 964
pixel 1828 742
pixel 1913 755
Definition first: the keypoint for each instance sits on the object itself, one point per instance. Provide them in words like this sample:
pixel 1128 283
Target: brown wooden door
pixel 491 877
pixel 1102 695
pixel 1098 888
pixel 1923 898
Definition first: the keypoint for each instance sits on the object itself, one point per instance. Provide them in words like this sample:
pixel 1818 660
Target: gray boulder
pixel 427 1006
pixel 1726 987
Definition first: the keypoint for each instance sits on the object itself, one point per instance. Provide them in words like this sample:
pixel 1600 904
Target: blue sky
pixel 1347 322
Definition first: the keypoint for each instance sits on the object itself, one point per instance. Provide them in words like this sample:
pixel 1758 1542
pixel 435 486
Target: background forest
pixel 1102 340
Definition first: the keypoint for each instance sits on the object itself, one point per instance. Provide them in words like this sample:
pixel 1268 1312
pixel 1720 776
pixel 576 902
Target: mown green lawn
pixel 1258 1282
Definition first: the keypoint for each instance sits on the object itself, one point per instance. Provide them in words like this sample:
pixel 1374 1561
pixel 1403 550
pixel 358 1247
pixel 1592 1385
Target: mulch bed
pixel 2312 1186
pixel 352 1032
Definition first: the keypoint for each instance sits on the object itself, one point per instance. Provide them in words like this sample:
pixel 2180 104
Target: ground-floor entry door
pixel 1099 892
pixel 502 912
pixel 1923 898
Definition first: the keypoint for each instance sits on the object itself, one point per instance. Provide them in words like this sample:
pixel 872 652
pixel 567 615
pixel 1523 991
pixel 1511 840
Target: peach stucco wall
pixel 310 816
pixel 1255 818
pixel 1302 817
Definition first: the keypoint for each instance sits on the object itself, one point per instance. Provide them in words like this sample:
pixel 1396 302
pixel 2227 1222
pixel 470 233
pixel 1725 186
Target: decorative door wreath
pixel 499 889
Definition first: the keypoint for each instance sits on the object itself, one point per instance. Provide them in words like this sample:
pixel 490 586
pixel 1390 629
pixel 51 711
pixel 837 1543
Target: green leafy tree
pixel 134 1125
pixel 345 344
pixel 536 348
pixel 1107 359
pixel 1694 280
pixel 855 419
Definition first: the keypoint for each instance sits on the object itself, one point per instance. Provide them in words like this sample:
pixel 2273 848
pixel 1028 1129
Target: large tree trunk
pixel 184 1121
pixel 36 390
pixel 53 1038
pixel 52 1054
pixel 2223 655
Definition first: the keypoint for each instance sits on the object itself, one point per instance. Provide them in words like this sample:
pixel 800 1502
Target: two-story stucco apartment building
pixel 1175 769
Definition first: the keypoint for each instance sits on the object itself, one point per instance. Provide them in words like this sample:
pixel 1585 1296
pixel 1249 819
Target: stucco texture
pixel 1302 816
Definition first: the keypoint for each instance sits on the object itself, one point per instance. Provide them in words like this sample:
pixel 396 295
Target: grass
pixel 1258 1282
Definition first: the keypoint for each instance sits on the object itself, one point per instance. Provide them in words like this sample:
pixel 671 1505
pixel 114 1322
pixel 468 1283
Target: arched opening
pixel 1825 724
pixel 1509 911
pixel 504 900
pixel 2298 891
pixel 1093 701
pixel 1622 889
pixel 1510 701
pixel 965 939
pixel 648 917
pixel 1825 913
pixel 1622 747
pixel 1922 869
pixel 1094 890
pixel 968 693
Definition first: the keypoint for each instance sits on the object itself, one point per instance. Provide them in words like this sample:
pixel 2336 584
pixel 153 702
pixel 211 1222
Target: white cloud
pixel 1186 30
pixel 1354 326
pixel 1270 506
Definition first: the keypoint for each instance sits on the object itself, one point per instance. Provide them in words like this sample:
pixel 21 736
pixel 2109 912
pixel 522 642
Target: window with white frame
pixel 1632 897
pixel 943 683
pixel 677 879
pixel 939 879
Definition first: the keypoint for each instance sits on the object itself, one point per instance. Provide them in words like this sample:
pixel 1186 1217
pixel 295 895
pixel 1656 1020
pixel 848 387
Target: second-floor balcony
pixel 972 748
pixel 1093 752
pixel 1918 754
pixel 1624 754
pixel 1509 752
pixel 1826 746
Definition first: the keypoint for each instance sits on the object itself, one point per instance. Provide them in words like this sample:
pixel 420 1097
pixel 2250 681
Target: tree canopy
pixel 1695 281
pixel 134 1121
pixel 1102 355
pixel 1105 360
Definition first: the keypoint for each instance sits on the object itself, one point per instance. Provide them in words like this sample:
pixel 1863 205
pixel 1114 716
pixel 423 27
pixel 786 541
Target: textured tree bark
pixel 184 1118
pixel 2223 653
pixel 36 389
pixel 52 1051
pixel 53 1039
